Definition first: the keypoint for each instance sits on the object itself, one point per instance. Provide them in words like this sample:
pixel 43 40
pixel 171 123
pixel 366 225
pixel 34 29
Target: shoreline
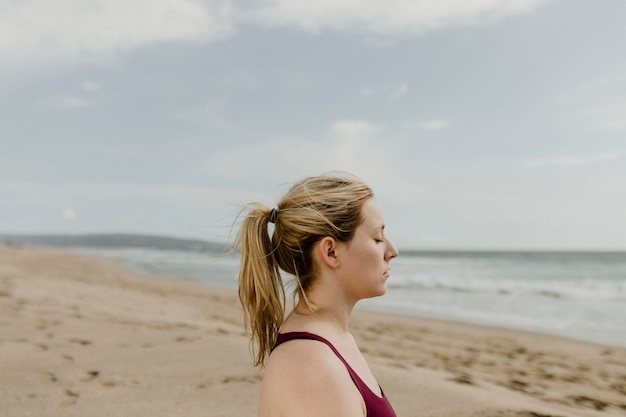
pixel 436 321
pixel 83 336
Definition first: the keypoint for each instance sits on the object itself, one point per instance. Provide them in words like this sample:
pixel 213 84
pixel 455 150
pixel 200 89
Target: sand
pixel 81 336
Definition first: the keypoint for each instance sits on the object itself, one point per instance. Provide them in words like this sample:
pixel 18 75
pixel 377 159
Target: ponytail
pixel 261 290
pixel 312 209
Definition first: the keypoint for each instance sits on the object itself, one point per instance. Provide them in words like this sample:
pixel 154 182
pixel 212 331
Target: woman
pixel 328 232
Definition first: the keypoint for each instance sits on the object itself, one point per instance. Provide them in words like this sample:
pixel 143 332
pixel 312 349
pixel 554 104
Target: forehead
pixel 372 216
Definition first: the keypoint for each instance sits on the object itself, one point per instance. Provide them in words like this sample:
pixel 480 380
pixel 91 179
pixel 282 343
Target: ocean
pixel 579 295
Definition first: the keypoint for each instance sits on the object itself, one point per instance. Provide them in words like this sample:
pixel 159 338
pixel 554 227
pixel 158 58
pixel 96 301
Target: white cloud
pixel 400 90
pixel 69 214
pixel 353 129
pixel 355 146
pixel 67 101
pixel 90 86
pixel 367 92
pixel 36 33
pixel 73 101
pixel 614 118
pixel 435 124
pixel 569 160
pixel 395 18
pixel 67 32
pixel 209 197
pixel 598 104
pixel 27 192
pixel 284 160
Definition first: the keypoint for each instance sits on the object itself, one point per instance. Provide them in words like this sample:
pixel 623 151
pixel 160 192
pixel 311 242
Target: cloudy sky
pixel 479 124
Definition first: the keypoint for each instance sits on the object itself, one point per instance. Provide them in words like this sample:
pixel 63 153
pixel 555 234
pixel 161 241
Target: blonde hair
pixel 313 208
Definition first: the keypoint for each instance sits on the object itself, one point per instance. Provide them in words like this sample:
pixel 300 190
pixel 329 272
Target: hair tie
pixel 273 214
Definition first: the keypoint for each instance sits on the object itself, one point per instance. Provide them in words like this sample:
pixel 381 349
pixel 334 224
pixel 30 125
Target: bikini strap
pixel 285 337
pixel 361 385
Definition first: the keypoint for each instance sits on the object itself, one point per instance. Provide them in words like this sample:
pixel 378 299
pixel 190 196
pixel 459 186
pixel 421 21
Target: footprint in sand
pixel 41 346
pixel 68 398
pixel 517 385
pixel 239 379
pixel 465 379
pixel 512 413
pixel 588 402
pixel 48 377
pixel 233 379
pixel 89 376
pixel 78 341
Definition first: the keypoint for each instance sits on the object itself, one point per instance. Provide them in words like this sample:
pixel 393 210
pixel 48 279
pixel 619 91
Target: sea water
pixel 581 295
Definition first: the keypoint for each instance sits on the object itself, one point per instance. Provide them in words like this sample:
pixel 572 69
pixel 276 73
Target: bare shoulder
pixel 304 378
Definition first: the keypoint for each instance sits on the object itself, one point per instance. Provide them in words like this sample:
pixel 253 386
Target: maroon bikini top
pixel 376 406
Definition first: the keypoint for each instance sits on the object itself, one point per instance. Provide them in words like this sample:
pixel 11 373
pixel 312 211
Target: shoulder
pixel 304 378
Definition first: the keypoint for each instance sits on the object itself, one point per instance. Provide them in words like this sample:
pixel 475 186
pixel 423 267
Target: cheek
pixel 368 256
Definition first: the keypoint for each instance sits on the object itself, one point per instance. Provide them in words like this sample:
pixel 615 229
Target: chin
pixel 382 291
pixel 374 292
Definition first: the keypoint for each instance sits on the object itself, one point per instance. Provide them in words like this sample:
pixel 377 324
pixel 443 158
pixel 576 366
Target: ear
pixel 326 248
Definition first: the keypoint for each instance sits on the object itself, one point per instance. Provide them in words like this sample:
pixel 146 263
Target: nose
pixel 392 252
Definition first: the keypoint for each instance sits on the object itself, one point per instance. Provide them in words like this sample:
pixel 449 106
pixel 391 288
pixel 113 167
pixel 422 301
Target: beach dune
pixel 81 336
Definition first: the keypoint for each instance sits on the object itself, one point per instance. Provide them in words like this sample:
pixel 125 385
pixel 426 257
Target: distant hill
pixel 115 241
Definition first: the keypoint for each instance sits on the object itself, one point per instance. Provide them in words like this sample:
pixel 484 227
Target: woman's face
pixel 364 260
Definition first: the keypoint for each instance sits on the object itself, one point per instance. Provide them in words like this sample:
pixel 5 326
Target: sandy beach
pixel 81 336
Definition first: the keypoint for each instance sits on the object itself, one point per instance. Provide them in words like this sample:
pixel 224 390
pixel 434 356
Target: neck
pixel 326 312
